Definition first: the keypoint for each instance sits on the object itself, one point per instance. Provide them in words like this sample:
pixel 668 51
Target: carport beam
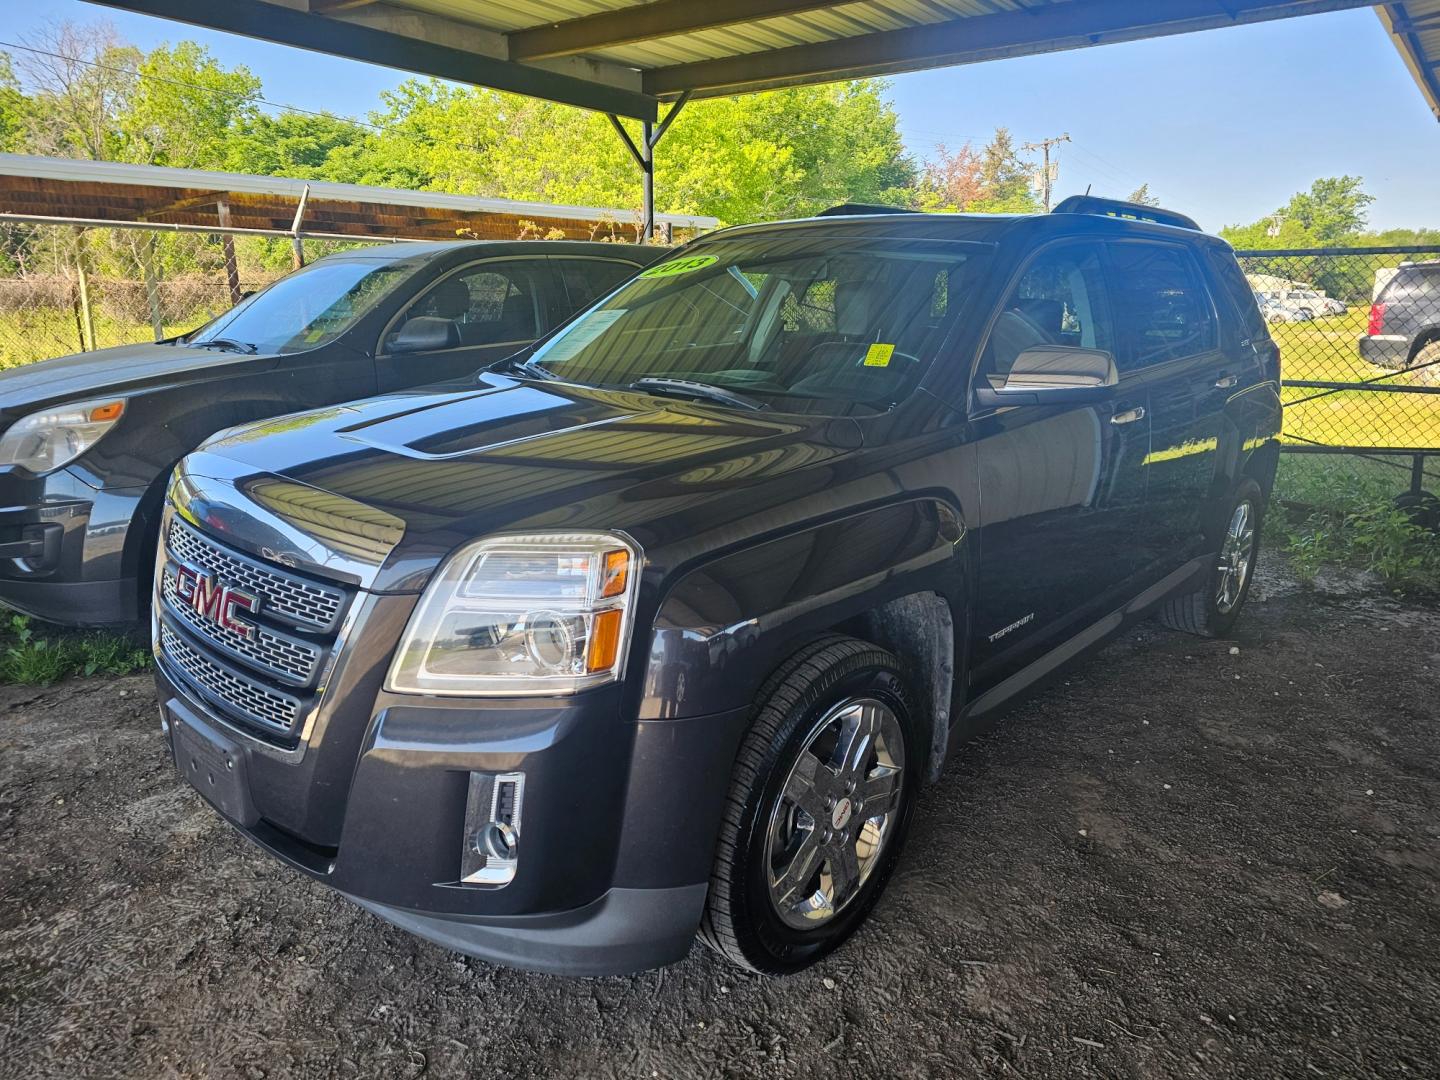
pixel 644 156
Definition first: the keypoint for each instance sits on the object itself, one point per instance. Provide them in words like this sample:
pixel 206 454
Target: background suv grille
pixel 267 680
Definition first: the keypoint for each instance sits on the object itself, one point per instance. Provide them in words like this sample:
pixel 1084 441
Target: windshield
pixel 833 320
pixel 306 309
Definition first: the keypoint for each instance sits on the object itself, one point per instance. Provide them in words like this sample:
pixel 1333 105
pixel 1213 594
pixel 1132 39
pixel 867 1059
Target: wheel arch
pixel 894 575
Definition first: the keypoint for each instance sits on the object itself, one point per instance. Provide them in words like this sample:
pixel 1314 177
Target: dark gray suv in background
pixel 660 626
pixel 88 441
pixel 1405 319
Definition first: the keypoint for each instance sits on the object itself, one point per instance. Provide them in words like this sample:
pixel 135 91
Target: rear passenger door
pixel 1168 343
pixel 492 307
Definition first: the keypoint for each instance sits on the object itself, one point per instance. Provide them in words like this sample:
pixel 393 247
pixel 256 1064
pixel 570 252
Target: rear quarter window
pixel 1236 289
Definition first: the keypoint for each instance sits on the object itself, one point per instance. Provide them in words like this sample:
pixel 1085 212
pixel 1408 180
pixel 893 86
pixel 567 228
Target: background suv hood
pixel 113 371
pixel 454 465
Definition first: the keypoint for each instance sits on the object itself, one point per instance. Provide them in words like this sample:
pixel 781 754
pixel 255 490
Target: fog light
pixel 491 850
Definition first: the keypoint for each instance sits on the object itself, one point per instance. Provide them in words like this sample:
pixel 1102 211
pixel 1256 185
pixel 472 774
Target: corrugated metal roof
pixel 158 176
pixel 627 56
pixel 1415 26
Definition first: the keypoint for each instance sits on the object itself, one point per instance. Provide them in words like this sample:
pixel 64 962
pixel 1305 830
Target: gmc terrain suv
pixel 660 625
pixel 87 442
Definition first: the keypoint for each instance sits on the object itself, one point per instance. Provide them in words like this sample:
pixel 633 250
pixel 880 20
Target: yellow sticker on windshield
pixel 680 266
pixel 879 355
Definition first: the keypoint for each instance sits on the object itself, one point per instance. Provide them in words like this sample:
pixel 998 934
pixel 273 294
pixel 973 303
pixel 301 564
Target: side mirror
pixel 1053 375
pixel 424 333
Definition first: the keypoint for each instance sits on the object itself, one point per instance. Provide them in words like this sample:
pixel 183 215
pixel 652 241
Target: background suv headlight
pixel 542 613
pixel 45 441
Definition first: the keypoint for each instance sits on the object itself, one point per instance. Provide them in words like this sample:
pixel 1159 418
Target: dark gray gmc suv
pixel 660 626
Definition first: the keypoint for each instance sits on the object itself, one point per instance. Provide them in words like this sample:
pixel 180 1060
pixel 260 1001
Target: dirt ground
pixel 1180 863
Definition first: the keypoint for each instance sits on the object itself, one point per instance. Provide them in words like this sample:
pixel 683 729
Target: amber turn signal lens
pixel 111 410
pixel 604 641
pixel 617 572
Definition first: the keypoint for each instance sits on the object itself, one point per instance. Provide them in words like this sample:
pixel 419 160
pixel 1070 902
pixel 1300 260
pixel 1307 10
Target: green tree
pixel 1142 196
pixel 292 144
pixel 183 108
pixel 1332 210
pixel 996 179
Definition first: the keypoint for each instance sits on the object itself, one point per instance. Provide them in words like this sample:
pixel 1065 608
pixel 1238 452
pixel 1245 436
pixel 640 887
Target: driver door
pixel 488 310
pixel 1062 486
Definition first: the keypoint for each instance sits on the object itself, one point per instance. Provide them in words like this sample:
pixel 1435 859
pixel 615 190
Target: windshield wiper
pixel 690 389
pixel 226 343
pixel 524 367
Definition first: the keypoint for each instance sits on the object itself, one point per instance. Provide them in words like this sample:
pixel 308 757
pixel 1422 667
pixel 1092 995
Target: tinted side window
pixel 1234 284
pixel 489 304
pixel 1162 309
pixel 587 280
pixel 1059 300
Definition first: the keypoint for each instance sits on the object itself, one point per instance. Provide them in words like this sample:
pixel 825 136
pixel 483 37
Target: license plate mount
pixel 214 765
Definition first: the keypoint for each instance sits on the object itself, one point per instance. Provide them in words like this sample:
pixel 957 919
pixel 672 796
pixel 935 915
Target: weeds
pixel 1342 513
pixel 30 659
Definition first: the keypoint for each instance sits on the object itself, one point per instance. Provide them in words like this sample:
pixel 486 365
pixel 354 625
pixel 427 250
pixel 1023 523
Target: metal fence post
pixel 86 314
pixel 227 245
pixel 152 291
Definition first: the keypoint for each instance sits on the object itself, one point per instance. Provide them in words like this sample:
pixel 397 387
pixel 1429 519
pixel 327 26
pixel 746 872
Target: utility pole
pixel 1047 178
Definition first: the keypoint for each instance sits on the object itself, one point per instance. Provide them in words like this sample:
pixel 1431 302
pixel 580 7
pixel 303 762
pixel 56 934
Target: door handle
pixel 1129 416
pixel 1225 382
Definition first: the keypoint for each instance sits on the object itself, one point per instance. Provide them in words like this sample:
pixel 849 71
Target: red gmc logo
pixel 214 601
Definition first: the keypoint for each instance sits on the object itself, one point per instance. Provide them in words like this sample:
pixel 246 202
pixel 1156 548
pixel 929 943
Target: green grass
pixel 32 657
pixel 1339 512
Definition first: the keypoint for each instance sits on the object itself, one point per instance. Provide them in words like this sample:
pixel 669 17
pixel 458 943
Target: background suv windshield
pixel 825 318
pixel 308 308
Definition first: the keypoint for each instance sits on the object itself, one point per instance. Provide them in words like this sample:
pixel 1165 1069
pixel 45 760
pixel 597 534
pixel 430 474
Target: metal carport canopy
pixel 626 56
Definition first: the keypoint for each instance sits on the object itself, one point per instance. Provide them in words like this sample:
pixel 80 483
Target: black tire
pixel 741 922
pixel 1422 507
pixel 1199 612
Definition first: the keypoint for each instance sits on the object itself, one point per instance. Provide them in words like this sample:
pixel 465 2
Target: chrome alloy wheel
pixel 835 813
pixel 1237 553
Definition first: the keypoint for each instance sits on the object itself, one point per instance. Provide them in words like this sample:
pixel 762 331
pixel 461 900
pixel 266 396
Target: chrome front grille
pixel 253 700
pixel 307 604
pixel 262 666
pixel 287 658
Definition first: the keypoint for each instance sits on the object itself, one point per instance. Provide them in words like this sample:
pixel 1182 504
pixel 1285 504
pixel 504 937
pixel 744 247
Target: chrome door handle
pixel 1225 382
pixel 1129 416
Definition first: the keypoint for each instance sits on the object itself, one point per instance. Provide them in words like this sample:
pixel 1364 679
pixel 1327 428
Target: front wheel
pixel 818 808
pixel 1212 609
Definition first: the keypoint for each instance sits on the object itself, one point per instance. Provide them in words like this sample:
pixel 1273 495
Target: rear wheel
pixel 1212 609
pixel 818 808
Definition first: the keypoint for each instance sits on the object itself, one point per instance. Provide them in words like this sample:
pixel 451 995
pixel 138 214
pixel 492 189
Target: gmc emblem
pixel 218 603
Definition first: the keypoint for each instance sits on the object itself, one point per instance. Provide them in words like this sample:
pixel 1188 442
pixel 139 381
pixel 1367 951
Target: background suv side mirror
pixel 1051 375
pixel 424 333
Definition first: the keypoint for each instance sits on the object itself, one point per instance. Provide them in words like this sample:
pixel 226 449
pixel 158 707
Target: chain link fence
pixel 66 290
pixel 1359 337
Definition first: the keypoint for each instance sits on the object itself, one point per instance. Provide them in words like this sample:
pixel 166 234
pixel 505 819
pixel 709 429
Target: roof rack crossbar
pixel 1119 208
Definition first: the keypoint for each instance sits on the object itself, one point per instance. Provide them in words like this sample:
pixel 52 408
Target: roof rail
pixel 1119 208
pixel 851 209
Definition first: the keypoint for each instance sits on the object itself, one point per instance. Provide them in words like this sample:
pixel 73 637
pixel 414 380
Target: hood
pixel 452 465
pixel 123 369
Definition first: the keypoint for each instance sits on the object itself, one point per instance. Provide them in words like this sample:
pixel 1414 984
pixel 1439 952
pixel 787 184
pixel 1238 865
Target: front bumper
pixel 63 550
pixel 1385 350
pixel 620 817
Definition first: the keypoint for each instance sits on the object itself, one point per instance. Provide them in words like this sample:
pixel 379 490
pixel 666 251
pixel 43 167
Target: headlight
pixel 547 613
pixel 45 441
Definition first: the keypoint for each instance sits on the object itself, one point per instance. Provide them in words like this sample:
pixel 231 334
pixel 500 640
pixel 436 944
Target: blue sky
pixel 1224 125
